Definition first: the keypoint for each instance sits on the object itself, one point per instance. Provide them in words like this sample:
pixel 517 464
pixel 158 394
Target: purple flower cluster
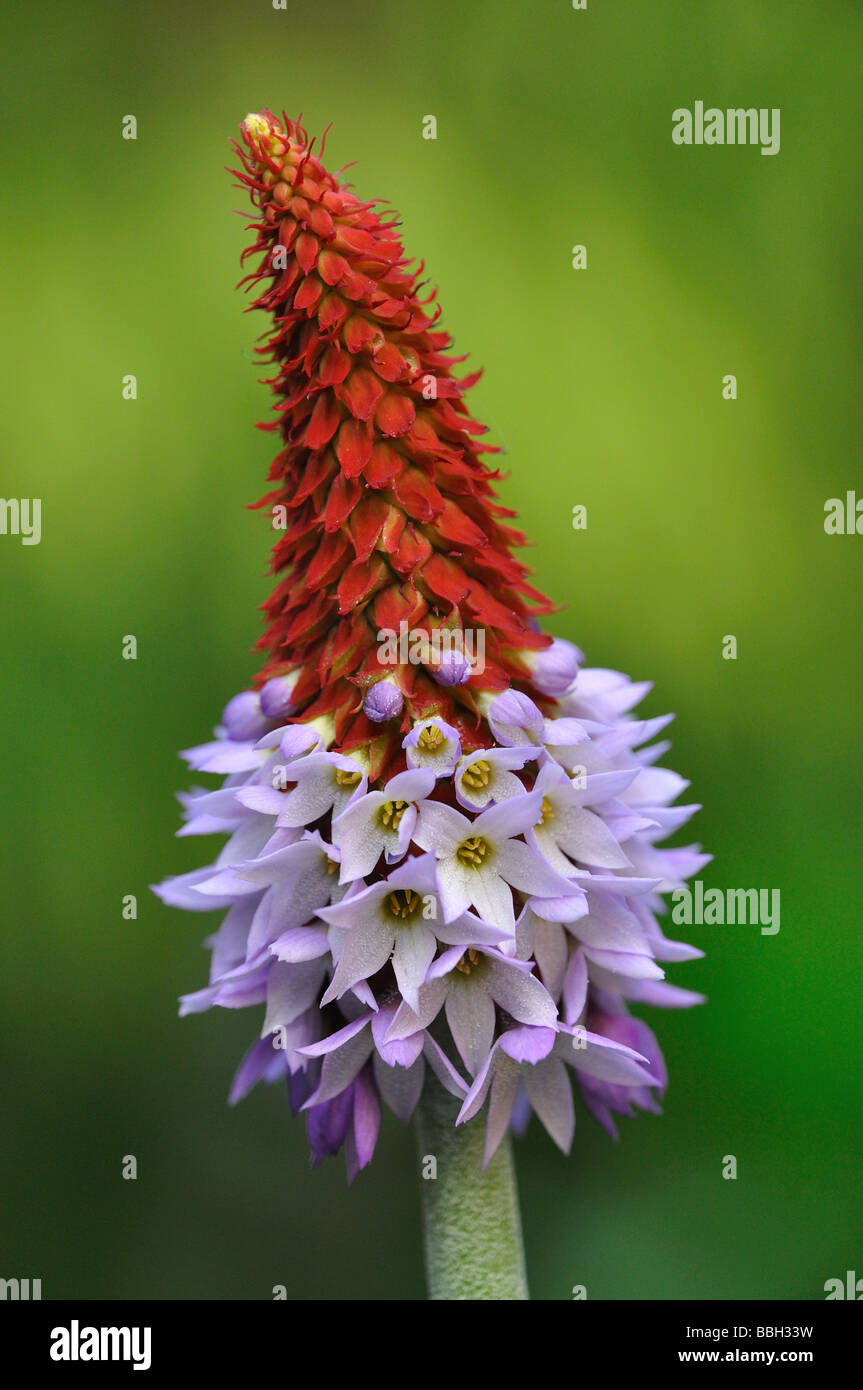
pixel 490 914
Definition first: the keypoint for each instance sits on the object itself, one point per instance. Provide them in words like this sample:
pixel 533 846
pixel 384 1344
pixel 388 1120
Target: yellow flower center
pixel 478 775
pixel 390 814
pixel 430 739
pixel 547 812
pixel 404 904
pixel 469 961
pixel 347 779
pixel 473 851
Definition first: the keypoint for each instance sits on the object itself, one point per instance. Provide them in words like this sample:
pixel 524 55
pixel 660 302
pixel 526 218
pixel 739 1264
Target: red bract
pixel 385 508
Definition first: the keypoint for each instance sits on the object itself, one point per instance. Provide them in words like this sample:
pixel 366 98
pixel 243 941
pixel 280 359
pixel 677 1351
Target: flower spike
pixel 443 863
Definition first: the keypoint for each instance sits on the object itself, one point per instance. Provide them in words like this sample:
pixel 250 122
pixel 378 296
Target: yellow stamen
pixel 469 960
pixel 404 903
pixel 390 814
pixel 478 775
pixel 430 739
pixel 473 851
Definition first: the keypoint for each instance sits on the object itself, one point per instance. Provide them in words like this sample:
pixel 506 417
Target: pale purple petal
pixel 575 988
pixel 551 953
pixel 511 817
pixel 520 993
pixel 549 1091
pixel 301 943
pixel 400 1086
pixel 341 1067
pixel 222 756
pixel 634 967
pixel 183 891
pixel 291 989
pixel 267 801
pixel 262 1062
pixel 504 1089
pixel 585 837
pixel 431 998
pixel 475 1098
pixel 443 1068
pixel 414 785
pixel 337 1039
pixel 609 925
pixel 469 930
pixel 562 909
pixel 470 1015
pixel 523 867
pixel 604 1059
pixel 402 1052
pixel 527 1044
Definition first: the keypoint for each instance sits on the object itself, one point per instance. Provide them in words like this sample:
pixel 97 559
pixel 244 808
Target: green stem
pixel 471 1220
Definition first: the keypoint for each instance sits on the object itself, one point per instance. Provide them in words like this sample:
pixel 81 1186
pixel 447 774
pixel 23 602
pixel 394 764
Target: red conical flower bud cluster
pixel 387 511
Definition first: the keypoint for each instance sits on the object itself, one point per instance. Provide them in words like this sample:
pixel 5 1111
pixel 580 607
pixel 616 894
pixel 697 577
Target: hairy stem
pixel 471 1219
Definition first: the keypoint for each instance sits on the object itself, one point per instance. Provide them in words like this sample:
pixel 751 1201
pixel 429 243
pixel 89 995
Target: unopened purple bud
pixel 242 718
pixel 276 696
pixel 555 668
pixel 453 668
pixel 383 701
pixel 511 712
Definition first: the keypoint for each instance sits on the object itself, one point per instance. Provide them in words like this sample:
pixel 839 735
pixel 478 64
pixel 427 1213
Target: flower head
pixel 435 864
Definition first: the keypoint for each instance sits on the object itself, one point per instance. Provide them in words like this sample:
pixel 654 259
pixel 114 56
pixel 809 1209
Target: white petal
pixel 491 897
pixel 588 839
pixel 414 952
pixel 365 950
pixel 440 827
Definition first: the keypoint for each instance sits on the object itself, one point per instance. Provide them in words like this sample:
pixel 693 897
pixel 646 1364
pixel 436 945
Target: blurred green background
pixel 705 518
